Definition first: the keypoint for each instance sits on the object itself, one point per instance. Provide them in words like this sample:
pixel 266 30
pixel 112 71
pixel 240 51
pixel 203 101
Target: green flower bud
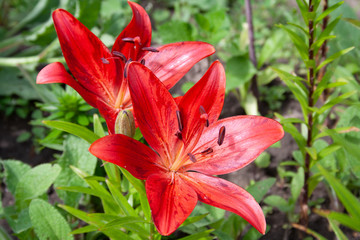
pixel 125 123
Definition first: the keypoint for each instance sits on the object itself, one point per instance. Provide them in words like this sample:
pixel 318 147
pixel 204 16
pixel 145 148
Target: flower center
pixel 181 158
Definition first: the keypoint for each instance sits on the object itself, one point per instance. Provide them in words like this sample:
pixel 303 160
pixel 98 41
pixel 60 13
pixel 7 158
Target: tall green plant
pixel 312 92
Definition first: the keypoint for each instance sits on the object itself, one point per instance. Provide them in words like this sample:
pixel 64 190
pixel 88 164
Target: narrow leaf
pixel 74 129
pixel 350 202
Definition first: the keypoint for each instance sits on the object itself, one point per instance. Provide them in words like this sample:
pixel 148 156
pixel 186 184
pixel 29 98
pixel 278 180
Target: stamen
pixel 221 135
pixel 119 54
pixel 128 39
pixel 179 120
pixel 172 177
pixel 192 157
pixel 142 62
pixel 105 61
pixel 203 115
pixel 126 67
pixel 150 49
pixel 179 135
pixel 207 151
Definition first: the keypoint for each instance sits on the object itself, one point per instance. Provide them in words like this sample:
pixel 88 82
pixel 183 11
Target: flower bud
pixel 125 123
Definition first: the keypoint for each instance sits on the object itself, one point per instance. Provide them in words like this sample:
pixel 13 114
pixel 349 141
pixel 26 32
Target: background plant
pixel 28 42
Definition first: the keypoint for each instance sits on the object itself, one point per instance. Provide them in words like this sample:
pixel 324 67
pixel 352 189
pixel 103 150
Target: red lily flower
pixel 190 145
pixel 99 73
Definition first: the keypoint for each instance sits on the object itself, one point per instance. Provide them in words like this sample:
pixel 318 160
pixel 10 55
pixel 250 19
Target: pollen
pixel 221 136
pixel 150 49
pixel 207 151
pixel 105 61
pixel 120 55
pixel 204 115
pixel 192 157
pixel 179 120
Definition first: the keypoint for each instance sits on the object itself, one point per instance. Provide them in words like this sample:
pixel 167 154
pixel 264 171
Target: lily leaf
pixel 74 129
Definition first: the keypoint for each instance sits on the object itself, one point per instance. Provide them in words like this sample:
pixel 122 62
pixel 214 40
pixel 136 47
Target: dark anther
pixel 142 61
pixel 179 135
pixel 179 120
pixel 151 49
pixel 105 61
pixel 126 67
pixel 128 39
pixel 207 151
pixel 204 115
pixel 192 157
pixel 119 54
pixel 221 135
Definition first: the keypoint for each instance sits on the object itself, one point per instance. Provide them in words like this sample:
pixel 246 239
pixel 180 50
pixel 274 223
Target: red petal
pixel 83 52
pixel 56 73
pixel 139 26
pixel 245 138
pixel 226 195
pixel 155 110
pixel 174 60
pixel 128 153
pixel 171 201
pixel 209 93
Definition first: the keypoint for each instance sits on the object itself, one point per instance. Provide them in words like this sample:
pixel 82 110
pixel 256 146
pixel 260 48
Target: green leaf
pixel 353 21
pixel 74 129
pixel 98 128
pixel 175 31
pixel 350 202
pixel 328 150
pixel 109 204
pixel 261 188
pixel 327 12
pixel 86 229
pixel 88 12
pixel 271 45
pixel 239 70
pixel 48 222
pixel 339 234
pixel 297 183
pixel 263 161
pixel 191 220
pixel 298 41
pixel 297 88
pixel 123 221
pixel 83 190
pixel 342 218
pixel 75 154
pixel 14 171
pixel 333 57
pixel 33 14
pixel 200 235
pixel 279 202
pixel 41 176
pixel 312 152
pixel 121 199
pixel 332 102
pixel 76 212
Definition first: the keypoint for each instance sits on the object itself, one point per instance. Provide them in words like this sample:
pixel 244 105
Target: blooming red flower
pixel 190 145
pixel 99 72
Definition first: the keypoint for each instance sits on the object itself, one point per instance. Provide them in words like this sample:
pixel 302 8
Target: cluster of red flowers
pixel 188 144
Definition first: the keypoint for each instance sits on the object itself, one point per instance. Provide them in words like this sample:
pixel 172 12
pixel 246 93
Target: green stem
pixel 305 198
